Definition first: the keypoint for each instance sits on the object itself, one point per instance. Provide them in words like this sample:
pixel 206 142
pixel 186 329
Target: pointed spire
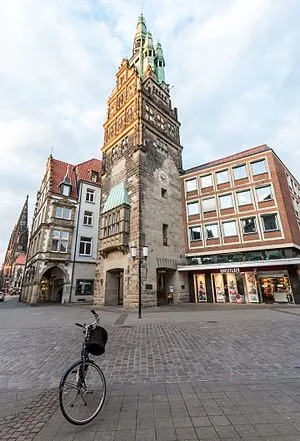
pixel 160 63
pixel 67 179
pixel 140 34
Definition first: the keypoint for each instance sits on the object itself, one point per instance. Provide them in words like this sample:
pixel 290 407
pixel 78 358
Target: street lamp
pixel 140 259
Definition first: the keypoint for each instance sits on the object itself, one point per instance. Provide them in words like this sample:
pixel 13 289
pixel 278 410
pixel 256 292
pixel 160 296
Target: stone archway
pixel 52 284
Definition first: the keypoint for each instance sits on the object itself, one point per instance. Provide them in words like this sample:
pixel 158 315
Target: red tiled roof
pixel 236 156
pixel 82 171
pixel 21 259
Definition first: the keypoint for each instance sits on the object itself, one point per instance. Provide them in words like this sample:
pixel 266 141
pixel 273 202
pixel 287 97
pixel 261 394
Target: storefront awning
pixel 239 265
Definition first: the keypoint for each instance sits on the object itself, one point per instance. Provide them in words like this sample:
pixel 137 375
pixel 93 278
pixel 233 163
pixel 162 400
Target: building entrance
pixel 114 287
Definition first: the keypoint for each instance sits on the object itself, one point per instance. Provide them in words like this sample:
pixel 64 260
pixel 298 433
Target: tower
pixel 141 199
pixel 18 241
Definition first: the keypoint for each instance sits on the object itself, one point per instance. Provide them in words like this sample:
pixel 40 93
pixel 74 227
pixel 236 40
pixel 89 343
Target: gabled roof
pixel 117 196
pixel 79 172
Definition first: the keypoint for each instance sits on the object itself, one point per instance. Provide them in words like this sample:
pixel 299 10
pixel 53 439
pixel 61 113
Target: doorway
pixel 161 287
pixel 114 287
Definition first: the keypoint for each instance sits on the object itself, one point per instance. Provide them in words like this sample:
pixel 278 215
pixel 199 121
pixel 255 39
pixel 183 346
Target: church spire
pixel 149 52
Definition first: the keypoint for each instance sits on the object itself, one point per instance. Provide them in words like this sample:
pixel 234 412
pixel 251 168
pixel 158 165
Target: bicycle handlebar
pixel 91 324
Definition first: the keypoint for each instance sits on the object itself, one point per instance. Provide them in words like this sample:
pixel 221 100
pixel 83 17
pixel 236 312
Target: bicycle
pixel 82 388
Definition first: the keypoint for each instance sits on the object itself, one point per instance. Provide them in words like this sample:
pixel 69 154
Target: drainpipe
pixel 76 238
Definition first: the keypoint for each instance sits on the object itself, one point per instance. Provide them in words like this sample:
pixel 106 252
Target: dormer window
pixel 65 189
pixel 94 176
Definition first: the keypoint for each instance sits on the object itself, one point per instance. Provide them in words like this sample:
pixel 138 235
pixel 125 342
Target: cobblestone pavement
pixel 174 375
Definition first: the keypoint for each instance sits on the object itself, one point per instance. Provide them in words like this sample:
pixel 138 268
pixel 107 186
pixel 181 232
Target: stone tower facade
pixel 141 195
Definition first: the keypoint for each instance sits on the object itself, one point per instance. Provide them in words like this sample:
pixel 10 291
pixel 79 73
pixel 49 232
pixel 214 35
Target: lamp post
pixel 142 256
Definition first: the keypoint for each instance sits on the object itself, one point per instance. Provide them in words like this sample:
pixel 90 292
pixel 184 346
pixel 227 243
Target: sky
pixel 232 65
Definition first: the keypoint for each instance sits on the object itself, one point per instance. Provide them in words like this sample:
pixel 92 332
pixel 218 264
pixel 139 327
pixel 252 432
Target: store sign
pixel 230 270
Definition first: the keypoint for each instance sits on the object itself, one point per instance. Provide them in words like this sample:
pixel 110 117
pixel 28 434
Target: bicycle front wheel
pixel 82 392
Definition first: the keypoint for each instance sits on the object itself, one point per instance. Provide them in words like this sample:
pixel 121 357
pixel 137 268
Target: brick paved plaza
pixel 180 373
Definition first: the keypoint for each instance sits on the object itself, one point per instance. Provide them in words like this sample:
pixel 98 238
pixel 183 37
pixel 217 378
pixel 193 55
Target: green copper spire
pixel 160 64
pixel 140 34
pixel 149 52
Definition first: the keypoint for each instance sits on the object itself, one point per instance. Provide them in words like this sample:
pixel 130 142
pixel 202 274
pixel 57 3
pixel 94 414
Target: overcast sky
pixel 233 66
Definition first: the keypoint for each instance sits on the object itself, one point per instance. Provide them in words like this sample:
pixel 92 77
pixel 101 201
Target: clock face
pixel 163 177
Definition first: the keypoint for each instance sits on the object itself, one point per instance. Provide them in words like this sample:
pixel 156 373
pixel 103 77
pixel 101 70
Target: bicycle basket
pixel 96 341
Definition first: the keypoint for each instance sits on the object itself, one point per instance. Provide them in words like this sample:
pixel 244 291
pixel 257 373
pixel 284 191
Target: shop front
pixel 243 285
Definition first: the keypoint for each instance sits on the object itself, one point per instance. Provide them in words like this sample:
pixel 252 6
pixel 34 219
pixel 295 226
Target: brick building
pixel 242 229
pixel 141 195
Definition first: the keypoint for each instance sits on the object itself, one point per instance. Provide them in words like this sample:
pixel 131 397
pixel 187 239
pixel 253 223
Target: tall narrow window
pixel 90 195
pixel 88 218
pixel 165 234
pixel 85 247
pixel 60 240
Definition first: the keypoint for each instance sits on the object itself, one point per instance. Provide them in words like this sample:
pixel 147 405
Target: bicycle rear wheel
pixel 82 392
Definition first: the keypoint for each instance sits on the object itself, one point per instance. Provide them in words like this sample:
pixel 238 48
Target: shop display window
pixel 276 288
pixel 200 288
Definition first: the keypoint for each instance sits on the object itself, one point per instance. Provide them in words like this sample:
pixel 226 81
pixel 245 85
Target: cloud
pixel 233 63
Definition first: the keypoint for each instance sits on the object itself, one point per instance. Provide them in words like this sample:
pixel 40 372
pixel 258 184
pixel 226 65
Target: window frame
pixel 230 222
pixel 186 185
pixel 261 187
pixel 257 162
pixel 59 240
pixel 218 231
pixel 190 233
pixel 276 221
pixel 239 167
pixel 85 242
pixel 63 210
pixel 255 225
pixel 223 196
pixel 90 215
pixel 193 203
pixel 244 191
pixel 90 191
pixel 206 176
pixel 218 173
pixel 208 199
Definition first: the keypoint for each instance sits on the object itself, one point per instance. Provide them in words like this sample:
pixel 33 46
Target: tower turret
pixel 160 63
pixel 149 52
pixel 140 35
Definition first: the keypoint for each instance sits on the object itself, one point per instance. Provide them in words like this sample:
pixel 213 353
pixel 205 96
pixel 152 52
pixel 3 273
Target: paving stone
pixel 166 434
pixel 186 433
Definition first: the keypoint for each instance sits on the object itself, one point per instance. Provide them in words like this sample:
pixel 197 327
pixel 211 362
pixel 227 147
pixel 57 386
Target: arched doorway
pixel 114 286
pixel 51 286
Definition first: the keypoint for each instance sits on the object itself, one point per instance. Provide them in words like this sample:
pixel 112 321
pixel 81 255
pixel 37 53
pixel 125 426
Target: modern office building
pixel 242 229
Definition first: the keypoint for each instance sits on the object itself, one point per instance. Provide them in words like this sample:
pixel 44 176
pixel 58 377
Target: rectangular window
pixel 193 208
pixel 229 228
pixel 264 193
pixel 259 167
pixel 208 204
pixel 226 201
pixel 63 213
pixel 165 234
pixel 65 190
pixel 85 246
pixel 211 231
pixel 248 225
pixel 244 197
pixel 195 233
pixel 84 287
pixel 240 172
pixel 90 195
pixel 206 181
pixel 164 192
pixel 222 177
pixel 60 240
pixel 270 222
pixel 88 218
pixel 191 185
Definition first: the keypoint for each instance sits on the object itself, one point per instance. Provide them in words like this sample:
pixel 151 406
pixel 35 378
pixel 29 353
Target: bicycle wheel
pixel 82 392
